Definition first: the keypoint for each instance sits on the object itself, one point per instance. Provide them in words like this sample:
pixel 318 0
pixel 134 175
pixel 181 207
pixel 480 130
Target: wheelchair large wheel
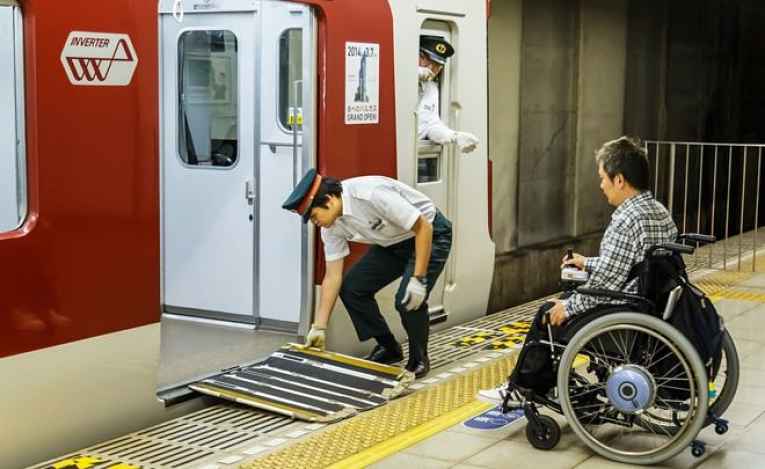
pixel 725 386
pixel 726 381
pixel 637 366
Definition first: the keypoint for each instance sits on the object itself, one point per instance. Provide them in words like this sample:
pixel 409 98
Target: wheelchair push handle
pixel 699 238
pixel 673 247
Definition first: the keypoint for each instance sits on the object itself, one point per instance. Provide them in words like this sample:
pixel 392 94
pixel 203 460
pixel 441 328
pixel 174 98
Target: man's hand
pixel 415 294
pixel 578 261
pixel 465 141
pixel 557 313
pixel 425 74
pixel 317 337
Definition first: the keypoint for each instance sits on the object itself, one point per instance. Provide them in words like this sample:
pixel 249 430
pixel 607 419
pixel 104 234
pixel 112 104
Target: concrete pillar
pixel 548 120
pixel 600 105
pixel 505 27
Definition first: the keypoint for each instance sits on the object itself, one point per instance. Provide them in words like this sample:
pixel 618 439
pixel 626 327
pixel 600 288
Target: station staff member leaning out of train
pixel 434 52
pixel 409 237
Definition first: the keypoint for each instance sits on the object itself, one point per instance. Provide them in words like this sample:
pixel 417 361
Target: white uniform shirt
pixel 429 124
pixel 376 210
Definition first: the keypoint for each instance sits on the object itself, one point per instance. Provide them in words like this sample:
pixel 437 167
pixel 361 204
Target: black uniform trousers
pixel 382 265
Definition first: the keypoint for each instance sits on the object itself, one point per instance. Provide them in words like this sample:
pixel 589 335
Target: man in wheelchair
pixel 650 343
pixel 638 223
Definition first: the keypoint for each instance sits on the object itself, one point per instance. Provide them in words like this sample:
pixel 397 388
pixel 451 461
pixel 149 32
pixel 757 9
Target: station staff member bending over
pixel 433 54
pixel 409 238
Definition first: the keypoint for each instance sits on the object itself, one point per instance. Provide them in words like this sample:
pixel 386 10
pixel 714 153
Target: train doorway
pixel 235 112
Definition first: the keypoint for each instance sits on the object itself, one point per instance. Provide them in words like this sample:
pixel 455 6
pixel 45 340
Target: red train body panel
pixel 86 260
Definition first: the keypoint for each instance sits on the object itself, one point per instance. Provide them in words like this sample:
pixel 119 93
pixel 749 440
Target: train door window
pixel 13 194
pixel 430 158
pixel 208 94
pixel 290 75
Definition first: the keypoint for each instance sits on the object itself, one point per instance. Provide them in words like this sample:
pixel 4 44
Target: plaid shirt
pixel 637 224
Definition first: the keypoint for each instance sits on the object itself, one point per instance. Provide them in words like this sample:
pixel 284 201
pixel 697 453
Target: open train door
pixel 235 111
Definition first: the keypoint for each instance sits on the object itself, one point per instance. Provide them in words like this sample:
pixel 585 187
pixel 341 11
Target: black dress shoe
pixel 385 355
pixel 420 367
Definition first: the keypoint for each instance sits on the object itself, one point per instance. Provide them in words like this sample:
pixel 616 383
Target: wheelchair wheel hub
pixel 631 389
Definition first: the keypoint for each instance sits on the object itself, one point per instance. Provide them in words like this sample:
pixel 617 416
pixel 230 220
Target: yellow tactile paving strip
pixel 719 283
pixel 348 438
pixel 722 285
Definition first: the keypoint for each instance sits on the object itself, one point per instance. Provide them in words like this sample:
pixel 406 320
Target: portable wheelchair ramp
pixel 310 385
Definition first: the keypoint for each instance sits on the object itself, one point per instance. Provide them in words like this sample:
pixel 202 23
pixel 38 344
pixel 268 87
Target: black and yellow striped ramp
pixel 309 384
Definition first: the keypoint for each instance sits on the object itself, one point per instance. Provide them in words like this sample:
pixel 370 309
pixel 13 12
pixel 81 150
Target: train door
pixel 232 94
pixel 435 163
pixel 285 115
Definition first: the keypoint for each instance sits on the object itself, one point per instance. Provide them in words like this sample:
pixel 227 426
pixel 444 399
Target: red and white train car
pixel 145 151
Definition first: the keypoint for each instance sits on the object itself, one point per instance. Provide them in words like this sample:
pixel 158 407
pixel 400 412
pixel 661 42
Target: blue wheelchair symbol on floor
pixel 493 419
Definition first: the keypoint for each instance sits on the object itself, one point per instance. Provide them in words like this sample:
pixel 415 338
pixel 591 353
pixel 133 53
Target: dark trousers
pixel 534 369
pixel 382 265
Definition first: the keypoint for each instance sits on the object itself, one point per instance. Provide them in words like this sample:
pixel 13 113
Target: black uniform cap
pixel 301 199
pixel 436 48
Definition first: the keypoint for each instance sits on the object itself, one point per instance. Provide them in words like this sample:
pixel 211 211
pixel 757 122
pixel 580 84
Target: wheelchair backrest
pixel 658 274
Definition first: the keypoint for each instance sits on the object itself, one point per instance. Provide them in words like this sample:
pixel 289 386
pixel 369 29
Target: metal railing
pixel 713 188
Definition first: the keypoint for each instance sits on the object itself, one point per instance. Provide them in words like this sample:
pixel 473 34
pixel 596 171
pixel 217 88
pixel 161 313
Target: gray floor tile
pixel 731 309
pixel 751 377
pixel 403 460
pixel 753 395
pixel 498 456
pixel 755 360
pixel 598 462
pixel 742 414
pixel 731 459
pixel 450 446
pixel 748 348
pixel 749 325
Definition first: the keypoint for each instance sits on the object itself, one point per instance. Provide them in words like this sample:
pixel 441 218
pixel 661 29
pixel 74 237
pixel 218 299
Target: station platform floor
pixel 743 308
pixel 426 429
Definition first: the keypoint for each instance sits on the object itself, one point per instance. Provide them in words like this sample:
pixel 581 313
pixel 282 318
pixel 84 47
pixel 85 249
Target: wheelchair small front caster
pixel 698 448
pixel 543 433
pixel 721 427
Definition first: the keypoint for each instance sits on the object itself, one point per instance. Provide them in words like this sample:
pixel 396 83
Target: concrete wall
pixel 602 64
pixel 566 61
pixel 645 111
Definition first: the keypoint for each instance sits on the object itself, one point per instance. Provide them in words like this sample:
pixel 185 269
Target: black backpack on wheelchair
pixel 663 280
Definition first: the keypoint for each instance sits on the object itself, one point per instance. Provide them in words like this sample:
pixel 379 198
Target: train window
pixel 427 169
pixel 208 94
pixel 290 71
pixel 13 194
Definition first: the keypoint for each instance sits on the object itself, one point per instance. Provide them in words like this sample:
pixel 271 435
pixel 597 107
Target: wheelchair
pixel 631 386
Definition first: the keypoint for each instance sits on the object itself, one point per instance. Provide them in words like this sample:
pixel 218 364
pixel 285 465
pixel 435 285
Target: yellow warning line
pixel 411 437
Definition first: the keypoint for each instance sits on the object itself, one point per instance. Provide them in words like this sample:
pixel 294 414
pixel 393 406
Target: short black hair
pixel 329 186
pixel 625 156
